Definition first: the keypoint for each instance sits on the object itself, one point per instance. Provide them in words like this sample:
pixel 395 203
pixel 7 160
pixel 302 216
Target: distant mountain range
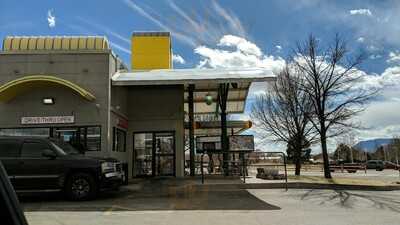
pixel 371 145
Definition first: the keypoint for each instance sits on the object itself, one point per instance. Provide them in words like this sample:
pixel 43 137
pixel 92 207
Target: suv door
pixel 38 171
pixel 9 154
pixel 371 165
pixel 380 165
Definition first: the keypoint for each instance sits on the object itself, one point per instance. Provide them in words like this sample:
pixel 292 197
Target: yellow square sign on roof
pixel 151 50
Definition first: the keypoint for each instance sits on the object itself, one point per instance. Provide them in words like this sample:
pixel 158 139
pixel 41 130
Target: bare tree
pixel 281 113
pixel 349 139
pixel 329 76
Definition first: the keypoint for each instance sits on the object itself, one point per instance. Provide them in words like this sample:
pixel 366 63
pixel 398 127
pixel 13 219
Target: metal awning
pixel 205 81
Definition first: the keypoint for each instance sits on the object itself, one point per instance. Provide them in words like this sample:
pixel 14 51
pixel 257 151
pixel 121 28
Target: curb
pixel 297 185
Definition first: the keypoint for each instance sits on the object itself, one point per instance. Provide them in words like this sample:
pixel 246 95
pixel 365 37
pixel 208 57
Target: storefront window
pixel 93 140
pixel 119 140
pixel 82 138
pixel 35 132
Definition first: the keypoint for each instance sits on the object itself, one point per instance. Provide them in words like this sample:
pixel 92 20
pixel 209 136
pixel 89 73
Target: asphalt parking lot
pixel 189 206
pixel 173 199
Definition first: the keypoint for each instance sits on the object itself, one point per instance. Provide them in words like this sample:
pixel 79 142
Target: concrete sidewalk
pixel 300 207
pixel 234 183
pixel 179 194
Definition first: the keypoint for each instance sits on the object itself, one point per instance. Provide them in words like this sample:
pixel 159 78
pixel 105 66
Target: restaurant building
pixel 75 88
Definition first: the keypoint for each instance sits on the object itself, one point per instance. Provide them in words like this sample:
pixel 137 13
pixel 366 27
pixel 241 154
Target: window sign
pixel 241 143
pixel 213 143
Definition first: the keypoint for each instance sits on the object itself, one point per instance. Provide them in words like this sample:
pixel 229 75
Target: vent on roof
pixel 55 43
pixel 151 33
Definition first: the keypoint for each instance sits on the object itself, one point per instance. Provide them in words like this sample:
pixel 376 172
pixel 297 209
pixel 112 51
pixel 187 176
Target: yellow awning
pixel 15 87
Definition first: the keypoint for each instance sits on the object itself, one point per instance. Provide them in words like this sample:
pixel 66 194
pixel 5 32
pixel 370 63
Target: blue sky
pixel 257 33
pixel 265 23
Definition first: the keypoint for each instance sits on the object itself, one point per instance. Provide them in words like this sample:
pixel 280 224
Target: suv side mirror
pixel 49 154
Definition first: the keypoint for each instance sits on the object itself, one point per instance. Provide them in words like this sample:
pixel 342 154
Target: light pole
pixel 397 159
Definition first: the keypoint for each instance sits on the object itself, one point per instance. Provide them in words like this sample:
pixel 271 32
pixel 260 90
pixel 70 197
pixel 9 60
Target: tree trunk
pixel 297 157
pixel 298 166
pixel 327 171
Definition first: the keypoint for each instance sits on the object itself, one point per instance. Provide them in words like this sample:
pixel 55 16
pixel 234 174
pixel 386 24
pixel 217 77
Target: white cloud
pixel 242 53
pixel 278 48
pixel 51 19
pixel 394 57
pixel 381 118
pixel 241 44
pixel 120 47
pixel 178 59
pixel 382 27
pixel 232 19
pixel 204 25
pixel 375 56
pixel 365 12
pixel 361 39
pixel 233 51
pixel 182 37
pixel 105 29
pixel 388 79
pixel 391 76
pixel 373 48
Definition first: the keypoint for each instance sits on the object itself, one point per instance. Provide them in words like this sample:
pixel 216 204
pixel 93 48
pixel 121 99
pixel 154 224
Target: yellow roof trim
pixel 11 89
pixel 15 44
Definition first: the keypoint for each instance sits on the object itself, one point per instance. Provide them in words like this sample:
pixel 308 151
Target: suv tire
pixel 80 187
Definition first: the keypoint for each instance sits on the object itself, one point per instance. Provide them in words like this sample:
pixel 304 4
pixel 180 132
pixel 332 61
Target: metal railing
pixel 241 164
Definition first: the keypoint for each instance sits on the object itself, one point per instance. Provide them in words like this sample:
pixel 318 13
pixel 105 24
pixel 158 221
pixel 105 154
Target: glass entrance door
pixel 164 154
pixel 154 154
pixel 143 154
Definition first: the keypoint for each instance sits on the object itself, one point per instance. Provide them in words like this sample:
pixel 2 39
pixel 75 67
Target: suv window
pixel 33 149
pixel 9 148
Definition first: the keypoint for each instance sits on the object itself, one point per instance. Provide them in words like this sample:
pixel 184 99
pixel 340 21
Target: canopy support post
pixel 222 101
pixel 191 130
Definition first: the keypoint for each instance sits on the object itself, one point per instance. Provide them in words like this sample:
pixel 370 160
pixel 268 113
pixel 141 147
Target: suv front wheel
pixel 81 186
